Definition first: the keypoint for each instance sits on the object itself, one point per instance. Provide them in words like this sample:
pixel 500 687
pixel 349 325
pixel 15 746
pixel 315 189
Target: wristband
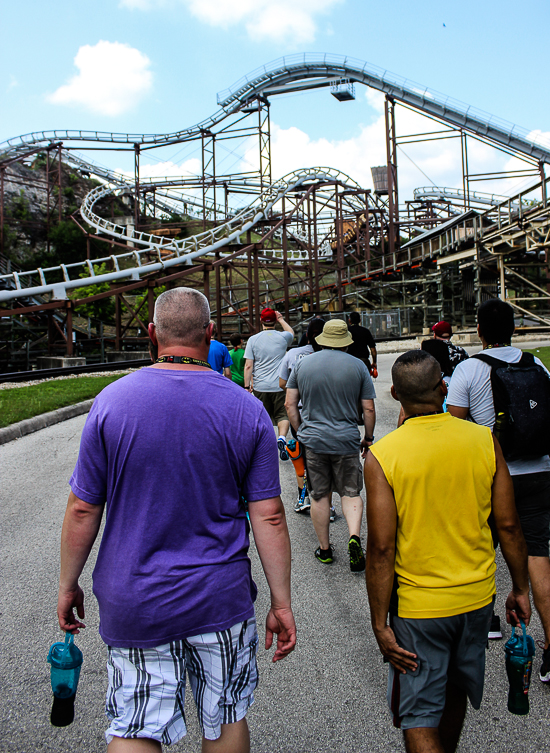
pixel 369 439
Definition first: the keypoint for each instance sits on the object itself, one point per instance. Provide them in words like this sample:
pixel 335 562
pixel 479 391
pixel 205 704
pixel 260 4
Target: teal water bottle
pixel 66 661
pixel 520 650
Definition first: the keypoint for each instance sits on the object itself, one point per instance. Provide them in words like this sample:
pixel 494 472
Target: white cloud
pixel 189 168
pixel 419 164
pixel 290 21
pixel 13 83
pixel 112 78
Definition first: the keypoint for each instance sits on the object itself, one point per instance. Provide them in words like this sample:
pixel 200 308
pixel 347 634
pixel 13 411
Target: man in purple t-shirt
pixel 169 452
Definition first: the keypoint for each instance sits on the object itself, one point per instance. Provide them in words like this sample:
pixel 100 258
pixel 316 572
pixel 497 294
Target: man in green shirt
pixel 237 356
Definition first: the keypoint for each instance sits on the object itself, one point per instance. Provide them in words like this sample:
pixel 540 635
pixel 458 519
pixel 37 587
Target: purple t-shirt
pixel 170 452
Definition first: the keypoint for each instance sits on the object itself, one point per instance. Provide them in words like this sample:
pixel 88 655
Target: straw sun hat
pixel 335 334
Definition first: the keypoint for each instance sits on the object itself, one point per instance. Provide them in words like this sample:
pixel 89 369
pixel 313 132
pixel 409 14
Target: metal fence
pixel 388 323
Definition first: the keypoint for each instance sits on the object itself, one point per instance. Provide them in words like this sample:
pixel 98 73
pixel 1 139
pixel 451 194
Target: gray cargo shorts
pixel 448 649
pixel 327 473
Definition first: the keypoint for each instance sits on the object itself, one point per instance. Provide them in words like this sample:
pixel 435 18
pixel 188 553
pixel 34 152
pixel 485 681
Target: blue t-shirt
pixel 218 357
pixel 171 452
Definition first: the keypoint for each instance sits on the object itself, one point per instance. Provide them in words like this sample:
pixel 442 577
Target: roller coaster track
pixel 457 195
pixel 310 70
pixel 152 253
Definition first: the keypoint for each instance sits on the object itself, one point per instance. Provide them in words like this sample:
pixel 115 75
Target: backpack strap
pixel 491 360
pixel 527 359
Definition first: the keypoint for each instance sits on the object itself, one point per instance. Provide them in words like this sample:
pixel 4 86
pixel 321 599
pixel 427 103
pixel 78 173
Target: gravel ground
pixel 327 697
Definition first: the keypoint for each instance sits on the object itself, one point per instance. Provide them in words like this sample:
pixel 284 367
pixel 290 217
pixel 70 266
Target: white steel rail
pixel 152 253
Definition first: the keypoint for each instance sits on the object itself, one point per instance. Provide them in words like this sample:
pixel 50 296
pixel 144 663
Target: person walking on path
pixel 237 359
pixel 172 576
pixel 443 331
pixel 303 504
pixel 471 396
pixel 263 355
pixel 363 345
pixel 218 355
pixel 428 526
pixel 332 385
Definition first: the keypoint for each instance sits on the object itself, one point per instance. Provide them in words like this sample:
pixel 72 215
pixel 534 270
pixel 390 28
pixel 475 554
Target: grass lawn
pixel 25 402
pixel 542 353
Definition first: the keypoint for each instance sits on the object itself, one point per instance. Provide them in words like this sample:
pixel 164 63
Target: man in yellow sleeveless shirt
pixel 431 486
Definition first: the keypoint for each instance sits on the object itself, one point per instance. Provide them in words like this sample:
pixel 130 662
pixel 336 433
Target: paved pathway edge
pixel 30 425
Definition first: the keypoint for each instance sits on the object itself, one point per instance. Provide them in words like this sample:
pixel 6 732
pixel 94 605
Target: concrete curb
pixel 30 425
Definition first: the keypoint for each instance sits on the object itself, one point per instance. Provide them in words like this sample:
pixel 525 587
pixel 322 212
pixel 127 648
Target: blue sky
pixel 156 66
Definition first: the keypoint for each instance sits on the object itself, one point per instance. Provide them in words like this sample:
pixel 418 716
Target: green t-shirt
pixel 237 370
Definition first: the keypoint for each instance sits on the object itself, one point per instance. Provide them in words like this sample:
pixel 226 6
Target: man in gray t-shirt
pixel 263 355
pixel 332 386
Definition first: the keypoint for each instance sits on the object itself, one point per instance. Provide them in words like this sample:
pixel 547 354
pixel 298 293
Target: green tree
pixel 104 309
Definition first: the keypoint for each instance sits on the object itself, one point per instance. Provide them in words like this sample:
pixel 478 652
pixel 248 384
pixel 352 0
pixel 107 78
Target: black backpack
pixel 521 396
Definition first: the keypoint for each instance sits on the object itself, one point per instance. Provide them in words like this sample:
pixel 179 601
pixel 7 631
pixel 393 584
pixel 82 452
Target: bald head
pixel 181 317
pixel 415 375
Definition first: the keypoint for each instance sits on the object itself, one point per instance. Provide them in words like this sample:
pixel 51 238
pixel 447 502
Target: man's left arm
pixel 369 419
pixel 268 523
pixel 80 529
pixel 380 562
pixel 458 398
pixel 373 356
pixel 291 405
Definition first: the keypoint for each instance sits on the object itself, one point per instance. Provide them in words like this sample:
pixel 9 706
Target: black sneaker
pixel 326 558
pixel 281 444
pixel 332 514
pixel 356 556
pixel 544 673
pixel 495 632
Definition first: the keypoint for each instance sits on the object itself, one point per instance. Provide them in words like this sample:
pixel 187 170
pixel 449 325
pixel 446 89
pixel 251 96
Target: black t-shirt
pixel 362 341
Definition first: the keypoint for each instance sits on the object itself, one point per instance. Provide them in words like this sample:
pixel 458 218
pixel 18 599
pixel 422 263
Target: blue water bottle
pixel 66 660
pixel 520 650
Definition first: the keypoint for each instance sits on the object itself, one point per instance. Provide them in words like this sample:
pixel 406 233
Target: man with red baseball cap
pixel 263 355
pixel 443 331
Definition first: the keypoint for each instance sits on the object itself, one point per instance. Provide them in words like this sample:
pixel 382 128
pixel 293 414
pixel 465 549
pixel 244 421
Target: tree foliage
pixel 104 309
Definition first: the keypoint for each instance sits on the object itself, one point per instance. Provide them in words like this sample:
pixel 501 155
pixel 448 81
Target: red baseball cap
pixel 442 328
pixel 268 316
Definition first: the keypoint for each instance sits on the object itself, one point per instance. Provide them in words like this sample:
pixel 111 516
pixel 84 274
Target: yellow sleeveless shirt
pixel 441 471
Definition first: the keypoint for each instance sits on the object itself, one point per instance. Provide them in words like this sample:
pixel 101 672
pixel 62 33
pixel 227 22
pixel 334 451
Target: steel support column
pixel 285 263
pixel 264 135
pixel 69 327
pixel 136 185
pixel 118 322
pixel 217 271
pixel 393 194
pixel 316 253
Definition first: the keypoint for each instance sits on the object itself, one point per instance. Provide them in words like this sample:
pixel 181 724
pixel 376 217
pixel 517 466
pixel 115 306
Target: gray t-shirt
pixel 290 358
pixel 267 349
pixel 331 383
pixel 471 388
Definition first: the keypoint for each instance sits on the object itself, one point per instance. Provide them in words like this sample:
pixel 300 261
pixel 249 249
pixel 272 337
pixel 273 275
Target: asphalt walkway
pixel 327 697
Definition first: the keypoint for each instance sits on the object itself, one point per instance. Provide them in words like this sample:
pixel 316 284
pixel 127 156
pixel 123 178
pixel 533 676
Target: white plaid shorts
pixel 146 689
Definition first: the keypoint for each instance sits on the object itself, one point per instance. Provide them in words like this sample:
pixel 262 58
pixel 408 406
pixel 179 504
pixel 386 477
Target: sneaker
pixel 544 673
pixel 327 560
pixel 332 514
pixel 302 506
pixel 495 632
pixel 281 444
pixel 356 556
